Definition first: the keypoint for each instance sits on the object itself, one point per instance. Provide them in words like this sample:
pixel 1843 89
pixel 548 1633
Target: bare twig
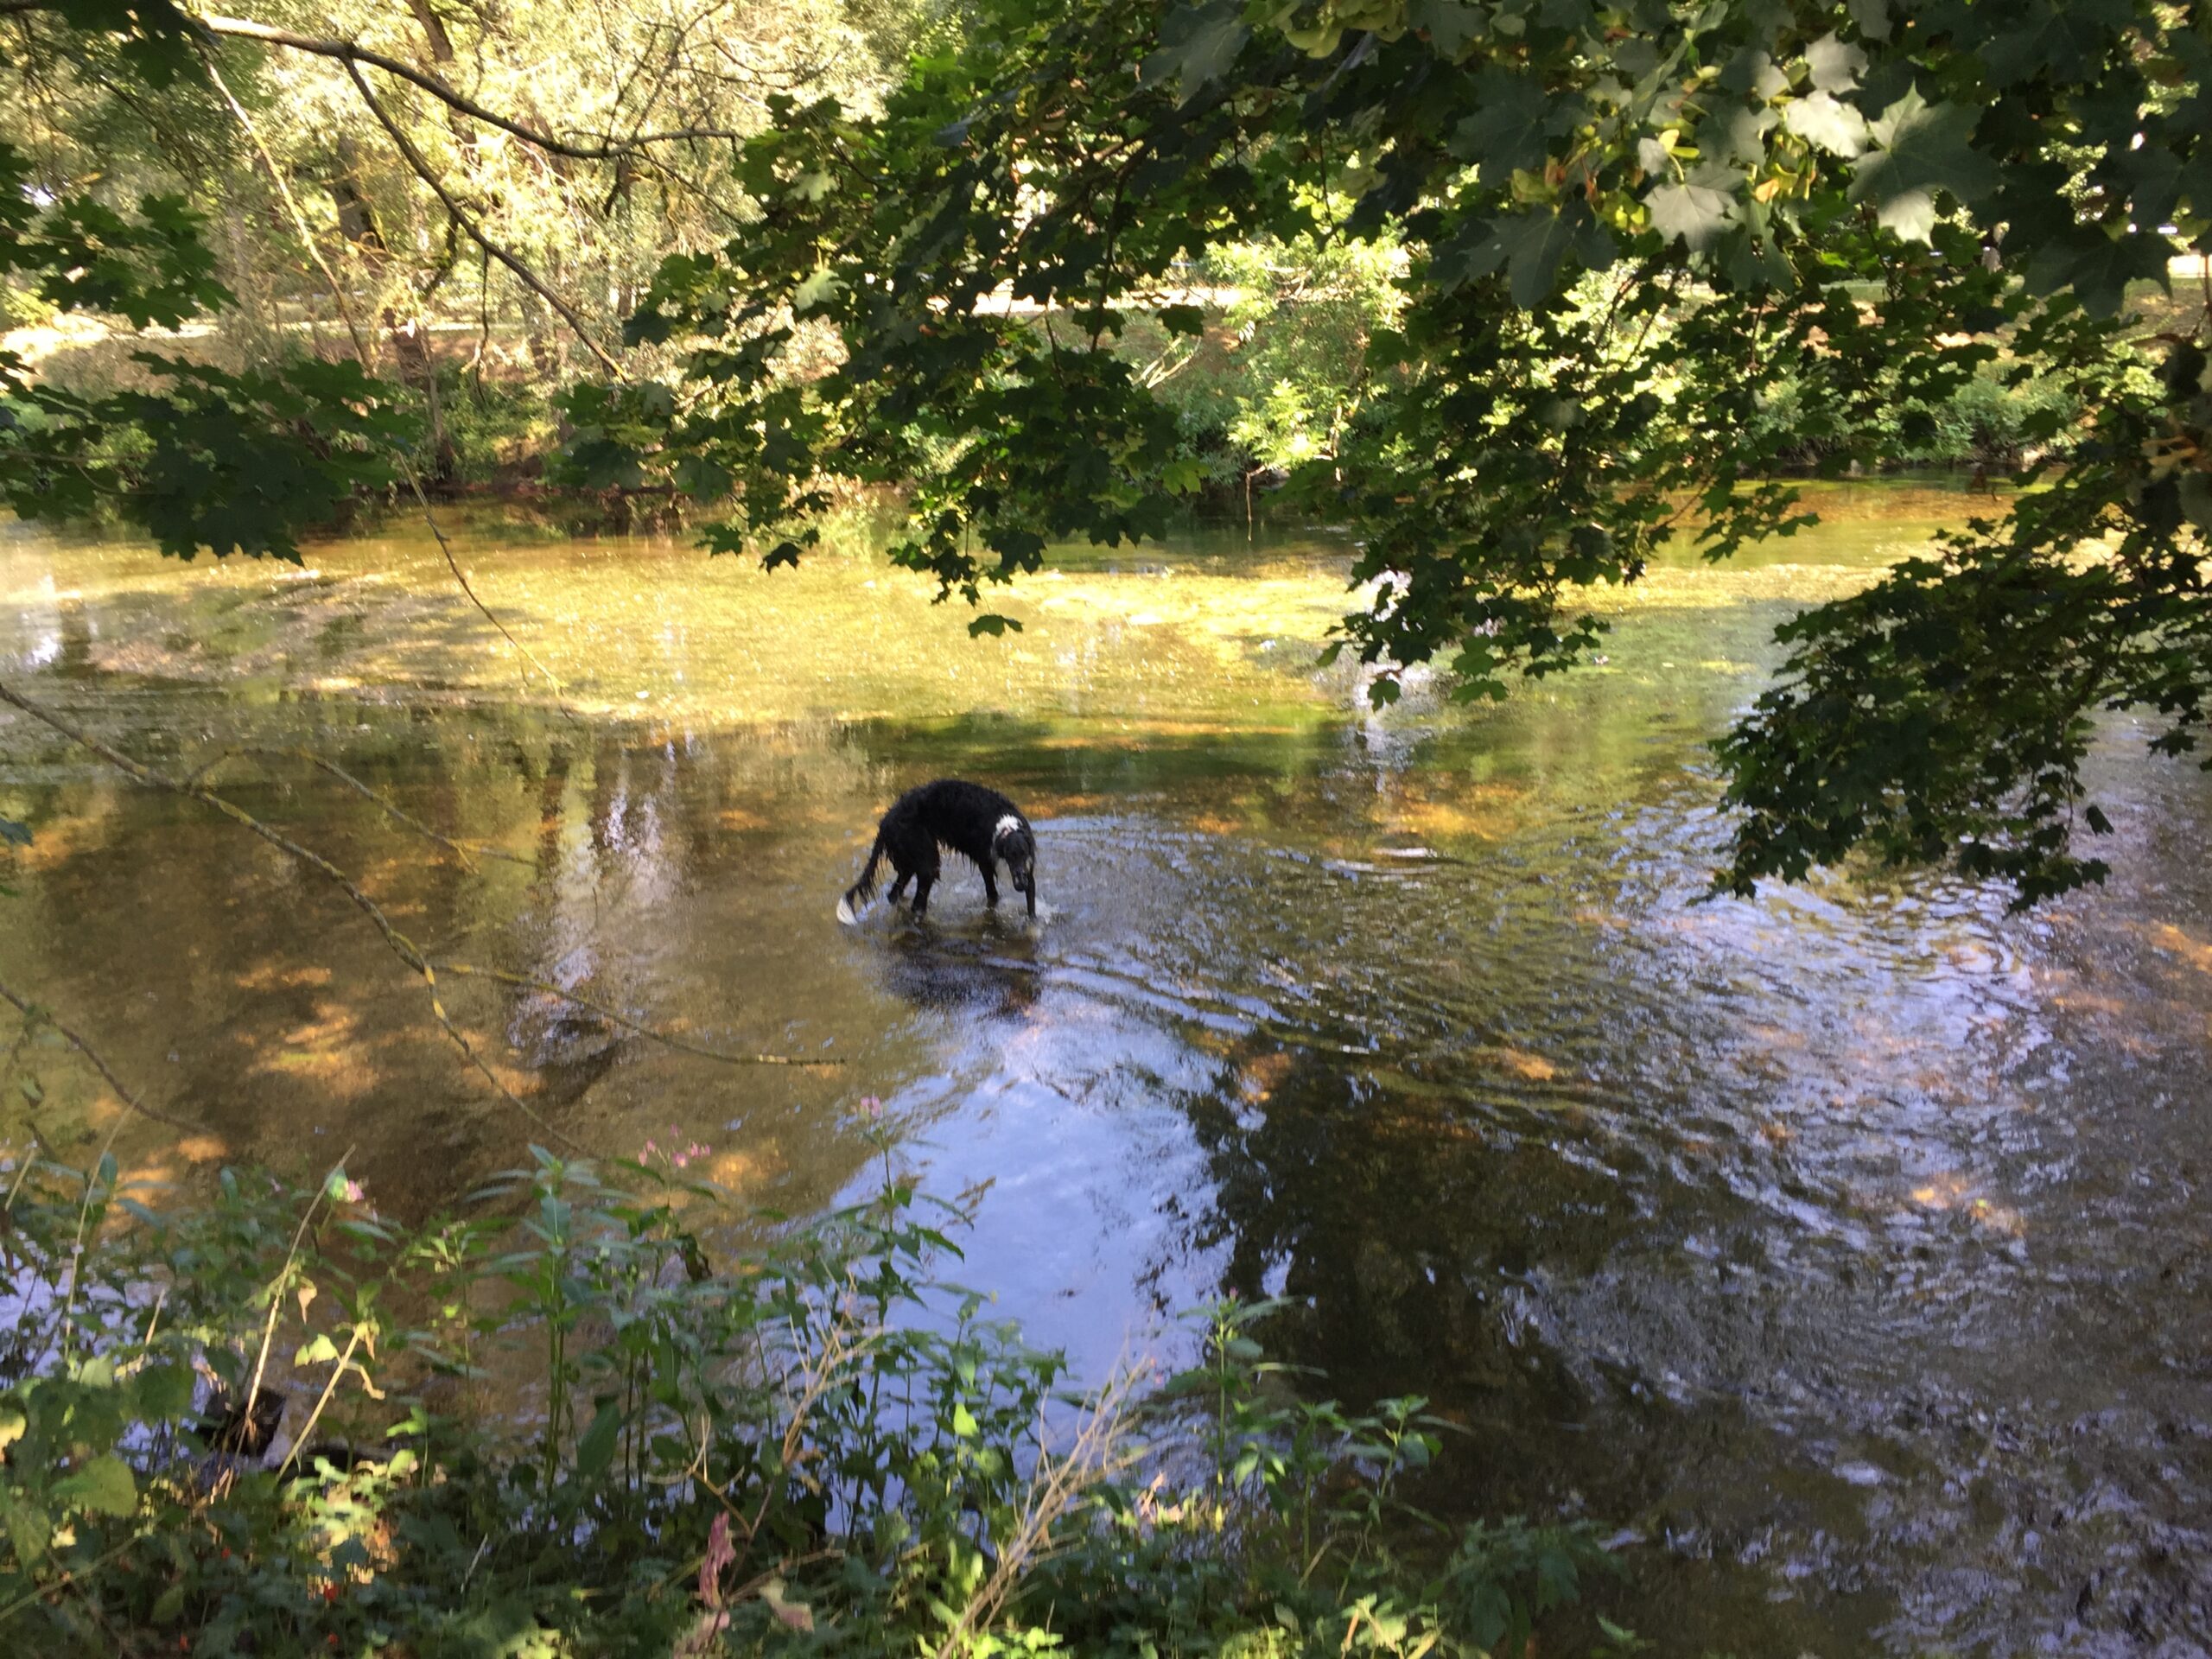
pixel 45 1016
pixel 345 1359
pixel 461 850
pixel 1100 1448
pixel 277 1292
pixel 74 1575
pixel 611 1017
pixel 415 483
pixel 350 53
pixel 401 945
pixel 291 205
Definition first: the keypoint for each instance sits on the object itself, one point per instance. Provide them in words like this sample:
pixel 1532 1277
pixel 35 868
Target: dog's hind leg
pixel 925 874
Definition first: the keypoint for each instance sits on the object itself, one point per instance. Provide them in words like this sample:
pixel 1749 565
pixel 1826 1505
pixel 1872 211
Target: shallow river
pixel 1847 1245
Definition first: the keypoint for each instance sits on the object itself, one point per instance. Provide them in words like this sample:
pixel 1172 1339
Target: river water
pixel 1846 1246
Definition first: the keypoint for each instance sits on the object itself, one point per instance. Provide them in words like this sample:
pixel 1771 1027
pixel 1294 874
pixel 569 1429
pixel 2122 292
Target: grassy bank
pixel 601 1412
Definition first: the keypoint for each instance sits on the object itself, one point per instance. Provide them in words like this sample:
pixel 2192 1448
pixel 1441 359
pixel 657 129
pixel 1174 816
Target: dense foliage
pixel 273 1424
pixel 1625 232
pixel 1517 290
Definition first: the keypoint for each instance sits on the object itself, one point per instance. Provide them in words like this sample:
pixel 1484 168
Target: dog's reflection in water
pixel 990 975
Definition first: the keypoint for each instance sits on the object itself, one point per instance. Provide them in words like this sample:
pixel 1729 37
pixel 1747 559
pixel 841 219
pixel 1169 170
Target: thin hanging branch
pixel 461 849
pixel 122 1093
pixel 400 944
pixel 361 349
pixel 415 483
pixel 291 205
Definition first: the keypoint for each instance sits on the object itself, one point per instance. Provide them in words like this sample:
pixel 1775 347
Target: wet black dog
pixel 980 825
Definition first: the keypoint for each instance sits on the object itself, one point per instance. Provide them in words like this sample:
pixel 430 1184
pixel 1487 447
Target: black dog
pixel 980 825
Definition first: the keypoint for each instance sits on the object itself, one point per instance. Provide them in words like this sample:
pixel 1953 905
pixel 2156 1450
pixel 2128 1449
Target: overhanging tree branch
pixel 425 172
pixel 350 53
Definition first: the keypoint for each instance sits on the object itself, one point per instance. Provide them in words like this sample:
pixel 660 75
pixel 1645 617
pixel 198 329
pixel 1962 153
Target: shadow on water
pixel 1846 1246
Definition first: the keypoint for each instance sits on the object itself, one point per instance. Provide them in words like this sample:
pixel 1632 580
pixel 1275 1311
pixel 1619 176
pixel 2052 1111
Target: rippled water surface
pixel 1847 1245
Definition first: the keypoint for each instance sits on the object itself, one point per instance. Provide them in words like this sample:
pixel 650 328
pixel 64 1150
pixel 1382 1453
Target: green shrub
pixel 807 1444
pixel 1987 423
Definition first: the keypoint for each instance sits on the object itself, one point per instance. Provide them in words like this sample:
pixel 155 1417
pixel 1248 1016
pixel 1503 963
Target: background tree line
pixel 348 213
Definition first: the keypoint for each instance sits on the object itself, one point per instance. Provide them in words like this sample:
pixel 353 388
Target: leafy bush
pixel 261 1425
pixel 1988 421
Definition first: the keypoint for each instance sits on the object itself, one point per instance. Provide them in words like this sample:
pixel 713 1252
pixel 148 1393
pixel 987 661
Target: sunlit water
pixel 1845 1245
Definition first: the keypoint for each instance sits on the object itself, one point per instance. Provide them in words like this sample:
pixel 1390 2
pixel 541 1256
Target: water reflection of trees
pixel 641 865
pixel 1411 1237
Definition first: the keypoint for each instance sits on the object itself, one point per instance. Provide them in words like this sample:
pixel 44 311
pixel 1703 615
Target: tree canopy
pixel 1612 236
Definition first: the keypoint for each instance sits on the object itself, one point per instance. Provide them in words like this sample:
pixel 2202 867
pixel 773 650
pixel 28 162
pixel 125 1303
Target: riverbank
pixel 810 1441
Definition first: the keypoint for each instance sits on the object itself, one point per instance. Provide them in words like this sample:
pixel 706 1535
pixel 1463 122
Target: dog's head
pixel 1013 846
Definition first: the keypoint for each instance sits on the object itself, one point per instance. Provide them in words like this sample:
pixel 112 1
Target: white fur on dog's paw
pixel 845 913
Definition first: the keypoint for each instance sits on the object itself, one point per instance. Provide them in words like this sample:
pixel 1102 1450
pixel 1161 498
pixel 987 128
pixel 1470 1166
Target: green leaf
pixel 595 1451
pixel 701 478
pixel 29 1528
pixel 964 1422
pixel 1691 212
pixel 818 290
pixel 1835 65
pixel 2066 39
pixel 1506 131
pixel 1827 124
pixel 1183 475
pixel 1452 26
pixel 2196 498
pixel 164 1391
pixel 2097 265
pixel 104 1486
pixel 1873 17
pixel 1198 45
pixel 317 1352
pixel 1536 245
pixel 1921 149
pixel 991 622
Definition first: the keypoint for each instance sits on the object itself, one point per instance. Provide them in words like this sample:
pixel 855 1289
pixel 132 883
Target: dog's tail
pixel 863 890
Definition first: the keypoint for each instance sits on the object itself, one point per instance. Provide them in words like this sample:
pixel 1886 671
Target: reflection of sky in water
pixel 1848 1240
